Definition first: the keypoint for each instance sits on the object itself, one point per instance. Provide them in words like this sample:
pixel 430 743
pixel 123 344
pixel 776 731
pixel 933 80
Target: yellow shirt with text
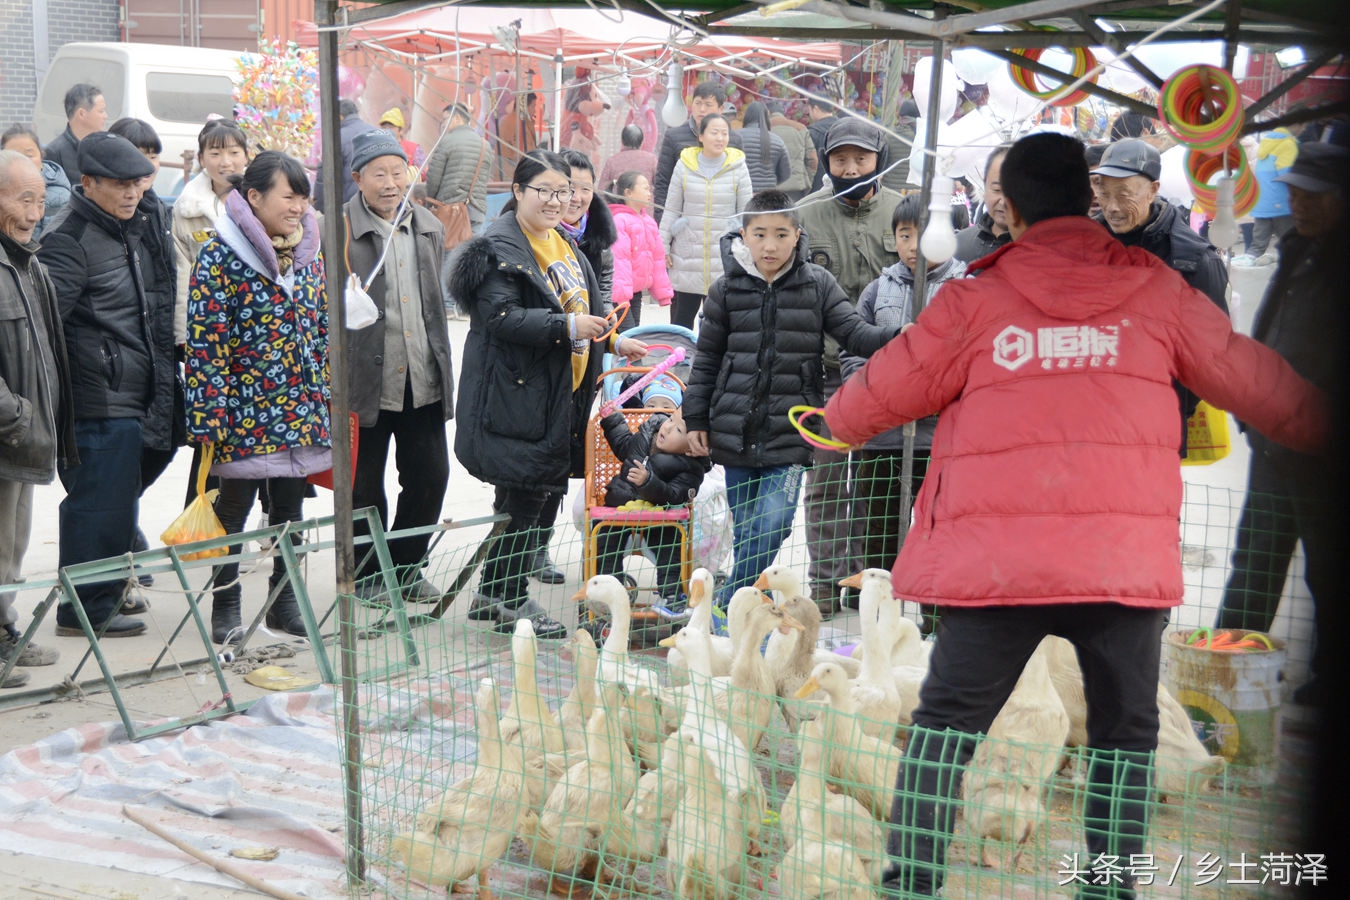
pixel 564 274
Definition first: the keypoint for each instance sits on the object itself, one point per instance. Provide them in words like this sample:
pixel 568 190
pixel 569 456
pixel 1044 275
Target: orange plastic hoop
pixel 1203 166
pixel 1200 106
pixel 1083 62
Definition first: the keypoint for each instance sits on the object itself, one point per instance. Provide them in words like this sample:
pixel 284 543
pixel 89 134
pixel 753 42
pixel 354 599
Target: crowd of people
pixel 1045 464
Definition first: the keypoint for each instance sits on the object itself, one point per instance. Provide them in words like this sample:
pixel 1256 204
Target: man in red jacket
pixel 1052 498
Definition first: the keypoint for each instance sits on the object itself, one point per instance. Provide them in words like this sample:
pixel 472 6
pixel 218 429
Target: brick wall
pixel 67 20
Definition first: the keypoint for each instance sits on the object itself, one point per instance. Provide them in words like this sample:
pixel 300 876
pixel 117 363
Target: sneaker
pixel 134 603
pixel 1266 259
pixel 117 626
pixel 421 591
pixel 32 655
pixel 16 678
pixel 484 607
pixel 544 626
pixel 1246 260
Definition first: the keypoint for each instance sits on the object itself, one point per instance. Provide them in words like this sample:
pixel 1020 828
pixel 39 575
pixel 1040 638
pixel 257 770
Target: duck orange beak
pixel 761 582
pixel 807 689
pixel 765 598
pixel 666 641
pixel 789 625
pixel 852 581
pixel 580 595
pixel 695 594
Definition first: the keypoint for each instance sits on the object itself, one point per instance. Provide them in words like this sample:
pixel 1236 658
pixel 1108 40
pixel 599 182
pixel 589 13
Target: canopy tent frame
pixel 1248 22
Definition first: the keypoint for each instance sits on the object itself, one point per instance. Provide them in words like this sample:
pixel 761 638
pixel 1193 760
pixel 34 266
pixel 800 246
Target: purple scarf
pixel 237 208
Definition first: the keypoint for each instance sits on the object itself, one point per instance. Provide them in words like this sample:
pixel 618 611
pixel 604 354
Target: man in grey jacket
pixel 36 421
pixel 458 170
pixel 402 385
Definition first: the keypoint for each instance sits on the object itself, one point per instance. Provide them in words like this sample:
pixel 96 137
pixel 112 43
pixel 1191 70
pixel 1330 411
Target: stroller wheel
pixel 630 583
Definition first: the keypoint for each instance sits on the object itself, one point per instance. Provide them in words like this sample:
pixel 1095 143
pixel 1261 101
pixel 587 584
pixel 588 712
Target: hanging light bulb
pixel 623 84
pixel 1223 231
pixel 939 239
pixel 673 111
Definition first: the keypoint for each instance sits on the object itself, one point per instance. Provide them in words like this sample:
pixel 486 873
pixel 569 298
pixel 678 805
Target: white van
pixel 172 88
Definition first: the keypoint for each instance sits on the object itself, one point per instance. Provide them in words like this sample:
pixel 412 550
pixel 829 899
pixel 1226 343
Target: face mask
pixel 852 188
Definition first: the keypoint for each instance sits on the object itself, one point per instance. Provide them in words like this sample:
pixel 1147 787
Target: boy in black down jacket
pixel 658 470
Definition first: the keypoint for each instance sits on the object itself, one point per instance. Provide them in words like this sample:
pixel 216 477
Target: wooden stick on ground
pixel 219 865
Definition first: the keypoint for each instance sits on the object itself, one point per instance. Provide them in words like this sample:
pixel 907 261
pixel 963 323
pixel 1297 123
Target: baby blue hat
pixel 663 386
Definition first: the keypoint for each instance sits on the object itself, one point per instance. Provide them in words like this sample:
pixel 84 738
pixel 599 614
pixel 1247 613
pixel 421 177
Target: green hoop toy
pixel 1083 62
pixel 1200 106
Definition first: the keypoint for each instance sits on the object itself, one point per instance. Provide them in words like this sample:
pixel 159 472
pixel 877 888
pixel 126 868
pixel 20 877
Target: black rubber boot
pixel 923 812
pixel 1115 817
pixel 285 612
pixel 225 615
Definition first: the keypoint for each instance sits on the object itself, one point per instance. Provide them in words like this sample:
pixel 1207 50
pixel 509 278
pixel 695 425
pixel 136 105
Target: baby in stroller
pixel 657 470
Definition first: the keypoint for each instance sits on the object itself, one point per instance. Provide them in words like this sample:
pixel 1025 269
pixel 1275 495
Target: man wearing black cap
pixel 402 386
pixel 1301 318
pixel 1126 184
pixel 847 229
pixel 109 298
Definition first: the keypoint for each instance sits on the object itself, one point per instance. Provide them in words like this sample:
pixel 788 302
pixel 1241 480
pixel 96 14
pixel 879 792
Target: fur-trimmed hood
pixel 502 246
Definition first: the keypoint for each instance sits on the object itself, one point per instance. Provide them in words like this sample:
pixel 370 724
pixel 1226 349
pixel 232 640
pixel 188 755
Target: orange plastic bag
pixel 199 521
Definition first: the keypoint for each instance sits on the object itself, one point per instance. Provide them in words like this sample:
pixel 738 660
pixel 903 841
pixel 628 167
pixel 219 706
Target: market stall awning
pixel 544 31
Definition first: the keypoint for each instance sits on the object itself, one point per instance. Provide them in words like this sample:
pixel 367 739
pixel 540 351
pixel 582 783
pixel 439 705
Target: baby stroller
pixel 602 466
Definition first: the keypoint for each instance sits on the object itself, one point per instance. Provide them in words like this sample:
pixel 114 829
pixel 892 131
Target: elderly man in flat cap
pixel 1302 318
pixel 402 386
pixel 110 296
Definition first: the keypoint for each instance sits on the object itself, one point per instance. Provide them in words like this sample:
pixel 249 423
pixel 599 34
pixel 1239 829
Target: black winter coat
pixel 115 285
pixel 595 245
pixel 519 424
pixel 978 240
pixel 760 353
pixel 1169 236
pixel 64 150
pixel 672 479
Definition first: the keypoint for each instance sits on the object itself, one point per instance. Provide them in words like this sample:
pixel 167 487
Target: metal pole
pixel 921 265
pixel 557 100
pixel 334 242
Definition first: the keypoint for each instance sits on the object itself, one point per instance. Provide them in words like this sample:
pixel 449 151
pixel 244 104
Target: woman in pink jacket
pixel 639 254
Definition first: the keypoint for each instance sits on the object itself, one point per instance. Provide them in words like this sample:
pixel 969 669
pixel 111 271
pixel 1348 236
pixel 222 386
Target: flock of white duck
pixel 630 770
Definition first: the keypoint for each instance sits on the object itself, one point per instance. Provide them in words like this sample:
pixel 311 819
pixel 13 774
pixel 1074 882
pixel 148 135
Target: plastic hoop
pixel 1201 168
pixel 1201 107
pixel 795 415
pixel 621 312
pixel 1083 62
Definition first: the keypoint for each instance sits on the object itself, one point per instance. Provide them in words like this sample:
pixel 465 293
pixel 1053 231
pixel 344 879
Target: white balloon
pixel 975 66
pixel 1172 184
pixel 923 77
pixel 1008 101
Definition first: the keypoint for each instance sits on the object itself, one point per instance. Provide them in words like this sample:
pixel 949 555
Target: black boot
pixel 284 614
pixel 225 615
pixel 923 812
pixel 1115 817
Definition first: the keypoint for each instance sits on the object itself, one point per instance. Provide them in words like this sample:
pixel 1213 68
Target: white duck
pixel 616 664
pixel 787 586
pixel 1010 769
pixel 723 647
pixel 823 870
pixel 812 812
pixel 528 724
pixel 902 637
pixel 585 807
pixel 580 701
pixel 875 697
pixel 746 697
pixel 707 846
pixel 863 766
pixel 702 585
pixel 463 832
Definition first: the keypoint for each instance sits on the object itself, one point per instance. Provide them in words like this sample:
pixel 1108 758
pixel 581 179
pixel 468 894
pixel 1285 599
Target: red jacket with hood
pixel 1054 475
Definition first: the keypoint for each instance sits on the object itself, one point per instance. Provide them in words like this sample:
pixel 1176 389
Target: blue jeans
pixel 98 515
pixel 763 503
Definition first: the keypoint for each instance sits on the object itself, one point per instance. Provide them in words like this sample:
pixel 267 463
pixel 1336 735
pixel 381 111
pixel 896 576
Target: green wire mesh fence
pixel 764 762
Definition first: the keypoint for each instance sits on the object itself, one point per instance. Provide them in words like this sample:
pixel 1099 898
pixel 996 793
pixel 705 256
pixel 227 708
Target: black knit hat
pixel 106 155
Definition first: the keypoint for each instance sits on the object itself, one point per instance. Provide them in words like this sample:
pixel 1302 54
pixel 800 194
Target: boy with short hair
pixel 760 352
pixel 889 301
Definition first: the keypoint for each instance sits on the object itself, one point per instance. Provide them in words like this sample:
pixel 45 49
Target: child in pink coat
pixel 639 254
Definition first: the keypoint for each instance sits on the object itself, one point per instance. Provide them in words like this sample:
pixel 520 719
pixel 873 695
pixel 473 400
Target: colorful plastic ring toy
pixel 797 413
pixel 1083 62
pixel 1200 106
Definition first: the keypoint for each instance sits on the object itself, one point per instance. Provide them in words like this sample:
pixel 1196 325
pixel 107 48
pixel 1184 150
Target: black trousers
pixel 508 564
pixel 422 458
pixel 1286 503
pixel 634 317
pixel 232 505
pixel 684 308
pixel 978 657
